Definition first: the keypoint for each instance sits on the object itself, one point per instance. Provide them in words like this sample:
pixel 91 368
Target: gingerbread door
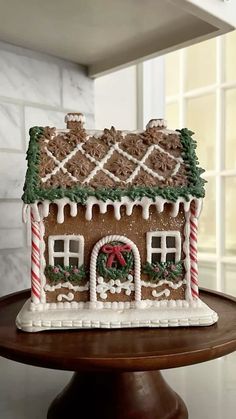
pixel 115 271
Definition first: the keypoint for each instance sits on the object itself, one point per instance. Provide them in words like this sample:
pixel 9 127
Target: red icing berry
pixel 56 270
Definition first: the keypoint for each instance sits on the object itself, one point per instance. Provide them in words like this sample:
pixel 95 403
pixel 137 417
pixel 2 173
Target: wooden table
pixel 117 371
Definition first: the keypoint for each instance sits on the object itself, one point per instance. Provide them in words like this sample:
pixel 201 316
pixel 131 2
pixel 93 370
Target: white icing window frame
pixel 66 254
pixel 163 250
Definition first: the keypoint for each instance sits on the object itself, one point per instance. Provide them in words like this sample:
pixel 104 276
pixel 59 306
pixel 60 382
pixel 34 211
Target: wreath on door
pixel 115 261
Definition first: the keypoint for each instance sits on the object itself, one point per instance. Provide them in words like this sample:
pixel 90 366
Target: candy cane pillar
pixel 35 261
pixel 193 252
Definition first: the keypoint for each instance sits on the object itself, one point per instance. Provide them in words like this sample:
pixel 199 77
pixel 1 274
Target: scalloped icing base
pixel 194 315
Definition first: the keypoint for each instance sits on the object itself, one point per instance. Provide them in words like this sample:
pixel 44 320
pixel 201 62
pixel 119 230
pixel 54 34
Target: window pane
pixel 59 261
pixel 201 119
pixel 206 231
pixel 170 257
pixel 74 246
pixel 201 64
pixel 230 56
pixel 73 261
pixel 156 257
pixel 172 115
pixel 230 132
pixel 230 219
pixel 59 246
pixel 230 279
pixel 172 73
pixel 156 242
pixel 170 241
pixel 207 275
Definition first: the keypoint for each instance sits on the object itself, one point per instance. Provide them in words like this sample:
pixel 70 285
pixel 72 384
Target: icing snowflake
pixel 177 180
pixel 111 136
pixel 79 167
pixel 60 147
pixel 144 179
pixel 48 133
pixel 95 149
pixel 101 181
pixel 153 136
pixel 160 161
pixel 121 167
pixel 60 180
pixel 47 165
pixel 172 142
pixel 76 136
pixel 134 145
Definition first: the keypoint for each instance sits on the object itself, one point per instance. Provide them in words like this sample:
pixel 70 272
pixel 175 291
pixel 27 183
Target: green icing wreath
pixel 116 271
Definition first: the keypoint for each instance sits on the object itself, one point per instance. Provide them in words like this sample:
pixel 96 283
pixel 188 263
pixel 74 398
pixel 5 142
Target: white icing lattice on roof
pixel 100 164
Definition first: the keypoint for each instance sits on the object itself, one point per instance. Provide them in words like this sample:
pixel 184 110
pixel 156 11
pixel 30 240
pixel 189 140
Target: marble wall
pixel 35 89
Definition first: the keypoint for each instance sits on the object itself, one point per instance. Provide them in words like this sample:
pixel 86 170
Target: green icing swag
pixel 32 191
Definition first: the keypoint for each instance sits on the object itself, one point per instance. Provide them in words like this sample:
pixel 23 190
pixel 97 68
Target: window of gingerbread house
pixel 67 250
pixel 163 246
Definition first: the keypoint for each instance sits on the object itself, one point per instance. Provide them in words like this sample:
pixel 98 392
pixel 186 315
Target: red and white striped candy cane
pixel 35 261
pixel 193 252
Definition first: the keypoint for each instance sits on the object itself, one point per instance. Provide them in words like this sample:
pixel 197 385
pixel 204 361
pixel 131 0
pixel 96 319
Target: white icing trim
pixel 68 315
pixel 163 250
pixel 165 292
pixel 66 254
pixel 60 165
pixel 156 123
pixel 116 305
pixel 145 203
pixel 93 265
pixel 173 285
pixel 69 297
pixel 69 285
pixel 78 117
pixel 114 286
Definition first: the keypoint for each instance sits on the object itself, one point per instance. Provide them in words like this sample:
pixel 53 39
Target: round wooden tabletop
pixel 119 350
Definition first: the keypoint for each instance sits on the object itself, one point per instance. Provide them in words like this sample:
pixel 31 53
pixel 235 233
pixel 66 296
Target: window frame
pixel 163 250
pixel 66 254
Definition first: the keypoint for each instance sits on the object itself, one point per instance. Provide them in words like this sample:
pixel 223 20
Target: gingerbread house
pixel 114 228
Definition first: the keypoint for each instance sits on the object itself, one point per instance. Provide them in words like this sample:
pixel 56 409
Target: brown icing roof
pixel 76 163
pixel 110 158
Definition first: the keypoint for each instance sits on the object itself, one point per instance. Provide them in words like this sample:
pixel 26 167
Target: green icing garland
pixel 169 271
pixel 32 191
pixel 70 273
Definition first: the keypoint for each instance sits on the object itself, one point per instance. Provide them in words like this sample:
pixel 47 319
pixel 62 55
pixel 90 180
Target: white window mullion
pixel 67 251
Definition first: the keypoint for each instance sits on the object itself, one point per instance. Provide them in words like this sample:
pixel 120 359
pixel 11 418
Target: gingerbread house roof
pixel 76 163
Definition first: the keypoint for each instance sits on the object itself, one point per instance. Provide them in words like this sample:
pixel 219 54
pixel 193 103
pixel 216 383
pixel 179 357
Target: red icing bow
pixel 116 252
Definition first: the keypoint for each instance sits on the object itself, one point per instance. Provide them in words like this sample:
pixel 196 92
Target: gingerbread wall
pixel 134 227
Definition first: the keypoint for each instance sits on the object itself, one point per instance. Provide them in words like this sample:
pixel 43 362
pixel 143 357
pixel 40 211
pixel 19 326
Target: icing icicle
pixel 145 203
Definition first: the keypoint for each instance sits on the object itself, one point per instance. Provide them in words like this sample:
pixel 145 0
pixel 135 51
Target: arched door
pixel 115 270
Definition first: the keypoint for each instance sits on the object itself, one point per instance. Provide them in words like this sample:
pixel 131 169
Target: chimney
pixel 74 120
